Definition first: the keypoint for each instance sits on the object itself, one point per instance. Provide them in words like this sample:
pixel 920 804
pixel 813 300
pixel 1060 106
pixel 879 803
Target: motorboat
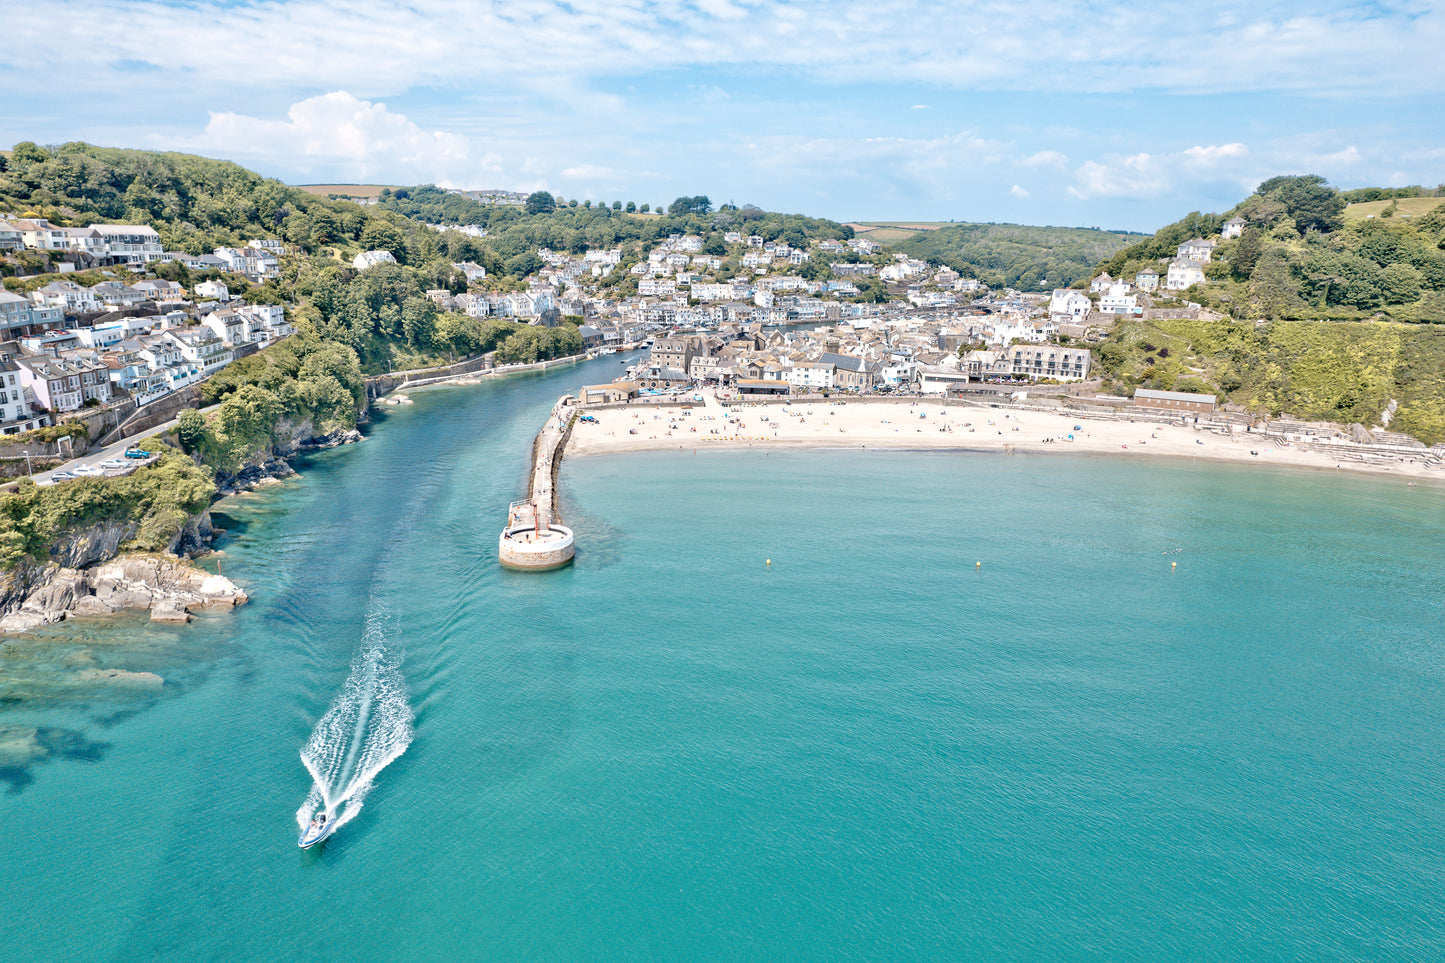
pixel 319 828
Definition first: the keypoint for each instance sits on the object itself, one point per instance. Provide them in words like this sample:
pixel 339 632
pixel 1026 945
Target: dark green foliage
pixel 190 430
pixel 690 205
pixel 540 202
pixel 1014 255
pixel 159 499
pixel 1307 199
pixel 530 343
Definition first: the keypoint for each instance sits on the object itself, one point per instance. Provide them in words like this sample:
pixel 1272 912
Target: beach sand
pixel 931 425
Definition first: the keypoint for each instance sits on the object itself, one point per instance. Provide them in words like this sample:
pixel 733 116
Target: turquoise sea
pixel 871 749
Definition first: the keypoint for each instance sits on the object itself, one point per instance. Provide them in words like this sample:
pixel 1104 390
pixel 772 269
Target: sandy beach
pixel 931 425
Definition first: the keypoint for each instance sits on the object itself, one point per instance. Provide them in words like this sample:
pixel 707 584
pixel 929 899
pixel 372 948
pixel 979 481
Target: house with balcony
pixel 201 347
pixel 130 243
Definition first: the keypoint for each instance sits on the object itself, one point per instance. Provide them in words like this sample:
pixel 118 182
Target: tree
pixel 528 262
pixel 190 430
pixel 690 205
pixel 1246 252
pixel 380 236
pixel 645 208
pixel 28 152
pixel 1402 284
pixel 418 321
pixel 1272 286
pixel 1309 199
pixel 631 205
pixel 617 205
pixel 540 202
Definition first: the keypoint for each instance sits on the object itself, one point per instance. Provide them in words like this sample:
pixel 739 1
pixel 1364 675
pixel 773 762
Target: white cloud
pixel 371 45
pixel 340 132
pixel 1136 176
pixel 591 172
pixel 919 107
pixel 1017 191
pixel 1046 158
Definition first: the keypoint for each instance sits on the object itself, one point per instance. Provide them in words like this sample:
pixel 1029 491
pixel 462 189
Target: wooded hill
pixel 1334 316
pixel 1017 255
pixel 1300 257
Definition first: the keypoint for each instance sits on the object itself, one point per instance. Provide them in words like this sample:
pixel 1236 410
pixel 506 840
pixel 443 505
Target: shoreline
pixel 929 426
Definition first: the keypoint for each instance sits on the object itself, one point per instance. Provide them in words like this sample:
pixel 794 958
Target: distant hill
pixel 1014 255
pixel 344 190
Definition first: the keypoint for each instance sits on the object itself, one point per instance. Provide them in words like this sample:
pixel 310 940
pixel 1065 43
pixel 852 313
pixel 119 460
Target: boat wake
pixel 367 727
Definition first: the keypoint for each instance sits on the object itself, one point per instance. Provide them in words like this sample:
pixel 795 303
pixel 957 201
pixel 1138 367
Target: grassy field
pixel 891 232
pixel 1409 207
pixel 344 190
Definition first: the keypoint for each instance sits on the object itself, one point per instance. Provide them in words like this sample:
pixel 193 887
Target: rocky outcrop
pixel 169 587
pixel 269 466
pixel 194 538
pixel 92 544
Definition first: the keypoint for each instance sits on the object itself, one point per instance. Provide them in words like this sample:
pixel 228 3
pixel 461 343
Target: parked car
pixel 136 453
pixel 63 476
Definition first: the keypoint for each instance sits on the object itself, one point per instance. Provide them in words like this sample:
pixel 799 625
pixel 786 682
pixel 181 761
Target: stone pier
pixel 534 538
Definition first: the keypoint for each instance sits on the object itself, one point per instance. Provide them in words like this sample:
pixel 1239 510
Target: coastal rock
pixel 169 610
pixel 54 599
pixel 140 680
pixel 194 538
pixel 18 583
pixel 90 605
pixel 21 621
pixel 92 544
pixel 155 579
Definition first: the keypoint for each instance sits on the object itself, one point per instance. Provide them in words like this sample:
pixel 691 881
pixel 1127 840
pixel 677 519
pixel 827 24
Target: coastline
pixel 928 425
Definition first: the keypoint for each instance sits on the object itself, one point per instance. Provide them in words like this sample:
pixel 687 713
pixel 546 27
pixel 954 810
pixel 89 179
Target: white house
pixel 1233 228
pixel 370 259
pixel 1184 272
pixel 135 243
pixel 1117 300
pixel 1100 283
pixel 810 376
pixel 1197 249
pixel 215 290
pixel 68 296
pixel 1069 304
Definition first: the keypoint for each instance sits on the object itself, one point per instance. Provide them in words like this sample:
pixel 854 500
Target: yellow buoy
pixel 1173 564
pixel 978 565
pixel 770 562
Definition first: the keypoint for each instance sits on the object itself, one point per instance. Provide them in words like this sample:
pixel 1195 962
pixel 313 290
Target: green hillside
pixel 1016 255
pixel 1302 257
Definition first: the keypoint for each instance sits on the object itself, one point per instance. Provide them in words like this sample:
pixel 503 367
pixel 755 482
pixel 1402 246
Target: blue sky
pixel 1079 112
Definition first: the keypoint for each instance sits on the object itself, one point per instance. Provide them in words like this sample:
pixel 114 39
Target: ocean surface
pixel 978 707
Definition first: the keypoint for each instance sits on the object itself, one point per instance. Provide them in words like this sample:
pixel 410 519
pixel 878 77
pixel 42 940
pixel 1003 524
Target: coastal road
pixel 111 451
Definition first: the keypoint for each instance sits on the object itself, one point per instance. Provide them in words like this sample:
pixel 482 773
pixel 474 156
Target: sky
pixel 1074 112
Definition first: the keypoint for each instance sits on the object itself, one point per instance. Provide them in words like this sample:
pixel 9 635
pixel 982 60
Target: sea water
pixel 971 710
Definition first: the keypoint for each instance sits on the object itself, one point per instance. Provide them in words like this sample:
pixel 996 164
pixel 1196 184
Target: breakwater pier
pixel 534 538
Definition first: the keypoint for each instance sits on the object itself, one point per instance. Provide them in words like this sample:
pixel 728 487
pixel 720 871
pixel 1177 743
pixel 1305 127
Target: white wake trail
pixel 366 728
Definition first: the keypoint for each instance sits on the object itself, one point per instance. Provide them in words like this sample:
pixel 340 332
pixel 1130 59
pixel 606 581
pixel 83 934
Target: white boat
pixel 319 828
